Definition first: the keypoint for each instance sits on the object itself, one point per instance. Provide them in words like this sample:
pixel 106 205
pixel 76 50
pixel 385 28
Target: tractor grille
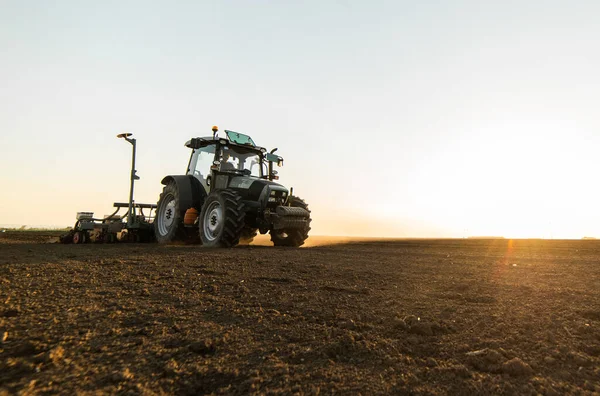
pixel 291 222
pixel 276 198
pixel 292 211
pixel 286 217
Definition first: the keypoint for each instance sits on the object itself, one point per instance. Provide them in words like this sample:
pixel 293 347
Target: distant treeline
pixel 27 228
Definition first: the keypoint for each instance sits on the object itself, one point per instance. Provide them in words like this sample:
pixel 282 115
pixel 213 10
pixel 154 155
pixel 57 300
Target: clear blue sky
pixel 396 118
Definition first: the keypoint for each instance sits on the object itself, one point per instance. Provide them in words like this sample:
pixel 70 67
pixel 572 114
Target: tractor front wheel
pixel 222 219
pixel 294 237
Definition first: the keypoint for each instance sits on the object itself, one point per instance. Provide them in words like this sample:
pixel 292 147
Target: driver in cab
pixel 226 164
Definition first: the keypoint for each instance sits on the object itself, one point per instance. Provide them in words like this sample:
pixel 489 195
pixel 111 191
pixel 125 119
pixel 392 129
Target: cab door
pixel 200 164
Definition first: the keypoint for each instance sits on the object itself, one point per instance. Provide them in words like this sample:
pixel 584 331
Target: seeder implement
pixel 133 226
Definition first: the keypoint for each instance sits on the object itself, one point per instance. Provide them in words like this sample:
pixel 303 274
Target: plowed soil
pixel 371 317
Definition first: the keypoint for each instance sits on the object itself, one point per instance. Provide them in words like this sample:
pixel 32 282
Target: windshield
pixel 235 159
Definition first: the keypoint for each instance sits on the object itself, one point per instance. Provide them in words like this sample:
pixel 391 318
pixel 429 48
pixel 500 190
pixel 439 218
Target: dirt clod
pixel 516 367
pixel 11 313
pixel 549 360
pixel 580 359
pixel 400 324
pixel 421 328
pixel 203 347
pixel 25 348
pixel 487 360
pixel 411 320
pixel 57 354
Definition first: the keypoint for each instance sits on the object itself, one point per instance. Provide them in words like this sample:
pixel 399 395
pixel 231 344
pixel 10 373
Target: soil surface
pixel 371 317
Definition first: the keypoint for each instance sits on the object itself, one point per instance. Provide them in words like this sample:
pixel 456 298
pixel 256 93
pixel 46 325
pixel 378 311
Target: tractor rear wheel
pixel 222 219
pixel 168 223
pixel 293 237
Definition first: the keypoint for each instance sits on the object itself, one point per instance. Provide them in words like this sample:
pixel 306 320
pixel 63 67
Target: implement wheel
pixel 79 237
pixel 109 237
pixel 222 219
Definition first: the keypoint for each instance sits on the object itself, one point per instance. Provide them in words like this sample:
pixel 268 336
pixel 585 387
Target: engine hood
pixel 252 188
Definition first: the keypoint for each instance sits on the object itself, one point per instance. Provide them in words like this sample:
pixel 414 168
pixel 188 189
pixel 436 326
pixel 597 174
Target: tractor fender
pixel 191 192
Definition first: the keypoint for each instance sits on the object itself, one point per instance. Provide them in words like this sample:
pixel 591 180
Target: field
pixel 370 317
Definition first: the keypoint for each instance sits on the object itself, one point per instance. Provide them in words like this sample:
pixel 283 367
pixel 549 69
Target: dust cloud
pixel 265 240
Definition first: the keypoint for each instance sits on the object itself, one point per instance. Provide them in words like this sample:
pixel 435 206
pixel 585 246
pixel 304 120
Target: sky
pixel 395 118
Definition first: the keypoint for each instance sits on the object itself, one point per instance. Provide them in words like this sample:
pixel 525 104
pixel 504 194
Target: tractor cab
pixel 215 161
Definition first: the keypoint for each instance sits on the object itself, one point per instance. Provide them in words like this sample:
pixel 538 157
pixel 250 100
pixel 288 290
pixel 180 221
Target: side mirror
pixel 274 158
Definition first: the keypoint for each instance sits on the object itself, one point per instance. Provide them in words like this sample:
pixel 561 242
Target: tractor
pixel 228 195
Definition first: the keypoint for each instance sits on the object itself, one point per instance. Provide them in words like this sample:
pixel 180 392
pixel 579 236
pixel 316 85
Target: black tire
pixel 248 235
pixel 295 237
pixel 168 223
pixel 222 219
pixel 78 237
pixel 129 236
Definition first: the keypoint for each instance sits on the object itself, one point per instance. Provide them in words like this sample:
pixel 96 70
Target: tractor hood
pixel 259 190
